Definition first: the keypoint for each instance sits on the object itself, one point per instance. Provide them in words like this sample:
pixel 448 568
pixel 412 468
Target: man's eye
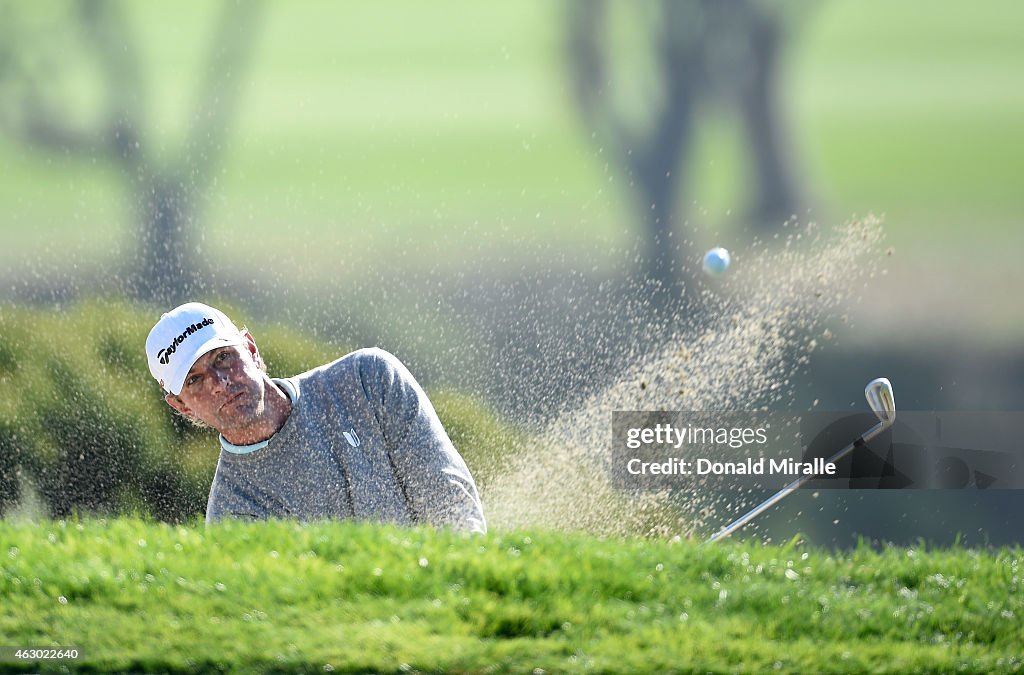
pixel 223 356
pixel 191 380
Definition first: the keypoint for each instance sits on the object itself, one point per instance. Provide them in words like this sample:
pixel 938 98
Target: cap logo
pixel 164 355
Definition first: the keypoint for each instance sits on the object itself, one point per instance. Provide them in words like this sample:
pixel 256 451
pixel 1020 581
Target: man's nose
pixel 220 380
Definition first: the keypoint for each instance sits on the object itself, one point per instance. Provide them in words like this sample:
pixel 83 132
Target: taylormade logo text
pixel 164 355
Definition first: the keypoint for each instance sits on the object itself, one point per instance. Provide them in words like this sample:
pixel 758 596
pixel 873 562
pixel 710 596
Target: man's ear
pixel 250 345
pixel 178 405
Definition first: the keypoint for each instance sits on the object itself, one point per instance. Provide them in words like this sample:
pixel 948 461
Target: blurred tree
pixel 640 98
pixel 50 53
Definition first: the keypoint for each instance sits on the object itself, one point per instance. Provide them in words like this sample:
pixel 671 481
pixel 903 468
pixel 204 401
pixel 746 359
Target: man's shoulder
pixel 360 358
pixel 371 355
pixel 356 364
pixel 364 374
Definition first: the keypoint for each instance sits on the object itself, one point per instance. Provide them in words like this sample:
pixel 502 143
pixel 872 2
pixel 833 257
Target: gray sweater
pixel 362 441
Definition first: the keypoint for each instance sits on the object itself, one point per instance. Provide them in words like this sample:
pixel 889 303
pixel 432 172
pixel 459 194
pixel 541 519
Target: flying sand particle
pixel 738 356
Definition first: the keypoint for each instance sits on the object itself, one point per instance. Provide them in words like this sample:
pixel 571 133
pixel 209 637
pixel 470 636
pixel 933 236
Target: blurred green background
pixel 395 173
pixel 446 136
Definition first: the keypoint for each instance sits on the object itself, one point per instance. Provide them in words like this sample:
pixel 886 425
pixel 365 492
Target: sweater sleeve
pixel 437 483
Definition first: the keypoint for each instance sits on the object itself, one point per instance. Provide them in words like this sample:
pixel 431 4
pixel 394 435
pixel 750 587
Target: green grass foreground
pixel 285 597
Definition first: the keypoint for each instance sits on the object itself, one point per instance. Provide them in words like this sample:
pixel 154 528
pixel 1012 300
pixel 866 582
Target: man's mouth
pixel 232 399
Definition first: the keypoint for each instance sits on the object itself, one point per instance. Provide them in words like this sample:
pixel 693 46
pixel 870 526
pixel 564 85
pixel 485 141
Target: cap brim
pixel 178 382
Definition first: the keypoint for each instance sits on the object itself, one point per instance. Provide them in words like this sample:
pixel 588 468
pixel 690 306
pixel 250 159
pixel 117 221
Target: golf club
pixel 879 396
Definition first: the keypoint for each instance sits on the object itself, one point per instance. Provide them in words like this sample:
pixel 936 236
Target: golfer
pixel 356 438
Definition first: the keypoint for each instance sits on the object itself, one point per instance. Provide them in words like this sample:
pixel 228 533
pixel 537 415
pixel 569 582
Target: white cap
pixel 181 336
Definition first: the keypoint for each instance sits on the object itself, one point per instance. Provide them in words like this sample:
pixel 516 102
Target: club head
pixel 880 398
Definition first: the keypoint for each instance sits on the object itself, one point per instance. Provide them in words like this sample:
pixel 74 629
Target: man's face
pixel 225 389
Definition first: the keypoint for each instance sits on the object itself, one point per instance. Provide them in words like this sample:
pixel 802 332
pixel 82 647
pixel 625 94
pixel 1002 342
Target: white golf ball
pixel 716 261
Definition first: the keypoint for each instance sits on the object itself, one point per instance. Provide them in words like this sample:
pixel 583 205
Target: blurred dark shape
pixel 700 51
pixel 11 460
pixel 102 460
pixel 98 449
pixel 38 46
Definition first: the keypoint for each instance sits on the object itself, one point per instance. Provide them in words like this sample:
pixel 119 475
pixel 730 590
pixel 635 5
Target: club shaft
pixel 794 486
